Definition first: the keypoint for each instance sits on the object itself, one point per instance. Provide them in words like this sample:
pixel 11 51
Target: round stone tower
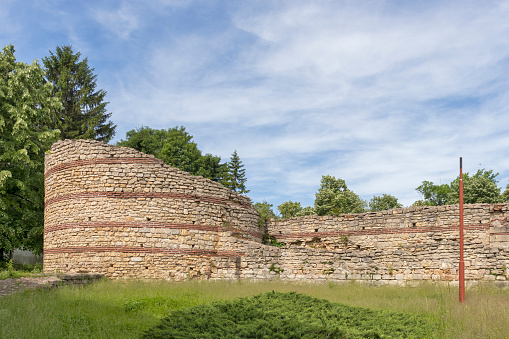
pixel 123 213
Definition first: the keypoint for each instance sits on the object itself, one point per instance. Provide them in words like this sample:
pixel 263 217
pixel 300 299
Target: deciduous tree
pixel 26 104
pixel 434 195
pixel 504 197
pixel 175 146
pixel 384 202
pixel 480 188
pixel 306 211
pixel 289 209
pixel 334 197
pixel 265 211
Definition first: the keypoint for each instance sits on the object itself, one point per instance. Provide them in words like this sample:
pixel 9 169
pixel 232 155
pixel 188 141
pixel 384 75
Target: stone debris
pixel 10 286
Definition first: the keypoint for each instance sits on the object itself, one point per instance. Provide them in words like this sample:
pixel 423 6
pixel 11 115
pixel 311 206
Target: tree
pixel 180 151
pixel 434 195
pixel 306 211
pixel 334 197
pixel 147 140
pixel 505 196
pixel 480 188
pixel 265 211
pixel 83 112
pixel 289 209
pixel 26 104
pixel 236 176
pixel 176 148
pixel 384 202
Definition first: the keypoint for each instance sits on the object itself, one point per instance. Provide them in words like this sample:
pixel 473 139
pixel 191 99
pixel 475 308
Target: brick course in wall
pixel 122 213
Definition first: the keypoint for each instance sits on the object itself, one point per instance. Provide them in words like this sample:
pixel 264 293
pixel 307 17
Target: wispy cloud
pixel 122 20
pixel 381 94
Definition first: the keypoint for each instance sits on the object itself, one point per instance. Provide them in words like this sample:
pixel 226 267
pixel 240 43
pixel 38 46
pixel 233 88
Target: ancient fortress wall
pixel 117 211
pixel 122 213
pixel 413 243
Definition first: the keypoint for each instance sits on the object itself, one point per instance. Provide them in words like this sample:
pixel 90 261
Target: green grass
pixel 126 309
pixel 10 270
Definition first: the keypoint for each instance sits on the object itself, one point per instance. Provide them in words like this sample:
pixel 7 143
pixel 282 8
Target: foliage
pixel 504 197
pixel 306 211
pixel 480 188
pixel 148 140
pixel 13 271
pixel 235 179
pixel 434 195
pixel 334 197
pixel 272 241
pixel 83 113
pixel 420 203
pixel 384 202
pixel 289 209
pixel 265 211
pixel 287 315
pixel 176 148
pixel 26 104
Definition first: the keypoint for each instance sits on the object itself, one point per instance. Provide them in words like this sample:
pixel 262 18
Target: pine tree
pixel 236 176
pixel 83 115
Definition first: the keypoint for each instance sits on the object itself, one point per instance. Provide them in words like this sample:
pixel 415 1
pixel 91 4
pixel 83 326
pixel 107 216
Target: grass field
pixel 125 309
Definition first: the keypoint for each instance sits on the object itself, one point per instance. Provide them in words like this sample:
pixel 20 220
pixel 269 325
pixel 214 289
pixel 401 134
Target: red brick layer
pixel 378 231
pixel 200 227
pixel 118 249
pixel 138 195
pixel 99 224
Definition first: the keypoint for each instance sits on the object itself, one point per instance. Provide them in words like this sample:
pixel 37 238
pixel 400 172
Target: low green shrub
pixel 10 270
pixel 288 315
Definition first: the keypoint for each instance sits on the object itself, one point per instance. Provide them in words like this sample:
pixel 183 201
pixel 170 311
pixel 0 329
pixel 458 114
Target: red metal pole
pixel 462 263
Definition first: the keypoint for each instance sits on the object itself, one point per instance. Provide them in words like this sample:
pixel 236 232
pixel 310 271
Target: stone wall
pixel 414 243
pixel 117 211
pixel 122 213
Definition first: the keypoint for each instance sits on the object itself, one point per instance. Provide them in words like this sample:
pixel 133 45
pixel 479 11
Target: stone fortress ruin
pixel 122 213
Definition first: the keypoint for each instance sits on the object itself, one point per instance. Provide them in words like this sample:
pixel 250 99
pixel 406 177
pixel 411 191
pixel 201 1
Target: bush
pixel 10 270
pixel 287 315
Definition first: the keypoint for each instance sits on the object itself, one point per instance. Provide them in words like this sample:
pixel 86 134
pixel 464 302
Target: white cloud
pixel 121 21
pixel 380 96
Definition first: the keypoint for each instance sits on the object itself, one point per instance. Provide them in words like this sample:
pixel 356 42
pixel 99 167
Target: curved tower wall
pixel 123 213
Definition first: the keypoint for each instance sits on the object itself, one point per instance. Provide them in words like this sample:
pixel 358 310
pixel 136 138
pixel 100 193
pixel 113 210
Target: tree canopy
pixel 265 211
pixel 434 195
pixel 82 114
pixel 175 146
pixel 306 211
pixel 334 197
pixel 479 188
pixel 26 106
pixel 289 209
pixel 384 202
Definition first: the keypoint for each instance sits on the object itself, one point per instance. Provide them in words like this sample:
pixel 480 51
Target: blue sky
pixel 383 94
